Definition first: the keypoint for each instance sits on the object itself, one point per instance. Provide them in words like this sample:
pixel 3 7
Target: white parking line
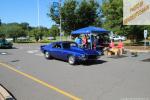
pixel 35 52
pixel 32 51
pixel 39 54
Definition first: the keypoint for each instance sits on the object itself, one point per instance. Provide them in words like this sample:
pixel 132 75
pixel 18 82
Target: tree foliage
pixel 0 22
pixel 38 32
pixel 54 31
pixel 15 30
pixel 113 13
pixel 75 15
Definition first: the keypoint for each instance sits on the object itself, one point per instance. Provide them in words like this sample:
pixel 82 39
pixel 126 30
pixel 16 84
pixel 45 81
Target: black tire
pixel 47 55
pixel 71 60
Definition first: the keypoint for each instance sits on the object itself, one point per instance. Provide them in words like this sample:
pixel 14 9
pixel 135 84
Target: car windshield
pixel 68 45
pixel 3 41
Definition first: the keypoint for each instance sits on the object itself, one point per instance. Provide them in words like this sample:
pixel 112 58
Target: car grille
pixel 92 57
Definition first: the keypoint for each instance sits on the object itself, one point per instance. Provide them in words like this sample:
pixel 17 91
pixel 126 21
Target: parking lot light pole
pixel 60 19
pixel 38 13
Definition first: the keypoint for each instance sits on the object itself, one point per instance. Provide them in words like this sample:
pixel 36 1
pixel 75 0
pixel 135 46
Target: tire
pixel 71 60
pixel 47 55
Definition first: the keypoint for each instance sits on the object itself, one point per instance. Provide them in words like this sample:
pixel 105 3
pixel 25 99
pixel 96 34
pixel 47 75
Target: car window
pixel 3 41
pixel 57 46
pixel 73 44
pixel 66 45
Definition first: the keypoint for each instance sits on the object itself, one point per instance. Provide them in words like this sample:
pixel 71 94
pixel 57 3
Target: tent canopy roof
pixel 90 29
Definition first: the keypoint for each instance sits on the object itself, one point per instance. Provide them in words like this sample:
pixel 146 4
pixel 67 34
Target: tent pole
pixel 91 40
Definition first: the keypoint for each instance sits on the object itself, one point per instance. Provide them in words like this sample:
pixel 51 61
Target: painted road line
pixel 39 54
pixel 32 51
pixel 40 82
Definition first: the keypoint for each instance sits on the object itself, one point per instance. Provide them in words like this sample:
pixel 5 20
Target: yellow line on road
pixel 40 82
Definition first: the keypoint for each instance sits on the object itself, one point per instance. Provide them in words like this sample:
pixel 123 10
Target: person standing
pixel 111 44
pixel 78 40
pixel 120 47
pixel 84 41
pixel 112 47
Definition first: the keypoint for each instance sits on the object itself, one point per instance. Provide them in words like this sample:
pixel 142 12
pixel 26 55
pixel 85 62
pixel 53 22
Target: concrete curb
pixel 4 94
pixel 139 51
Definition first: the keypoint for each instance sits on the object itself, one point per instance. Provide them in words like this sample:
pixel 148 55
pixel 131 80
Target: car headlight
pixel 83 55
pixel 99 53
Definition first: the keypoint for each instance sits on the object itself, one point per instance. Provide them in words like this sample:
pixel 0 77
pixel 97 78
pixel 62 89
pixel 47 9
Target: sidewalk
pixel 4 94
pixel 138 49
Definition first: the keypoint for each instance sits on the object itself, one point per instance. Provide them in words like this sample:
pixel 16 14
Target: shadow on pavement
pixel 15 61
pixel 94 62
pixel 118 57
pixel 9 48
pixel 14 48
pixel 146 60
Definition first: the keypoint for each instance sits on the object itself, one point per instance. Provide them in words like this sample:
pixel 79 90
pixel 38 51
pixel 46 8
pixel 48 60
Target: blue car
pixel 69 51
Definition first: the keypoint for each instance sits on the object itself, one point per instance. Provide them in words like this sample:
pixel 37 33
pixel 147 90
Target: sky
pixel 26 11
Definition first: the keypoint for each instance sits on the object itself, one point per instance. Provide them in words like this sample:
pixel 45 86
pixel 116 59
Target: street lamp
pixel 38 13
pixel 60 18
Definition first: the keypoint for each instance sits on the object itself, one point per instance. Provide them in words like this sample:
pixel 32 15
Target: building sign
pixel 136 12
pixel 145 34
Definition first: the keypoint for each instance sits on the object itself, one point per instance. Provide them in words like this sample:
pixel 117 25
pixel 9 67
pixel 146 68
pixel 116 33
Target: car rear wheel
pixel 71 60
pixel 47 55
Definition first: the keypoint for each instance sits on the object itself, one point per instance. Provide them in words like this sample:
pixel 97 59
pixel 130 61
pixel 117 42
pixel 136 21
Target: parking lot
pixel 29 76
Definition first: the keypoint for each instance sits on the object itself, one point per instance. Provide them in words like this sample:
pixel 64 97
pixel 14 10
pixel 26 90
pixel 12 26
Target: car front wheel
pixel 47 55
pixel 71 60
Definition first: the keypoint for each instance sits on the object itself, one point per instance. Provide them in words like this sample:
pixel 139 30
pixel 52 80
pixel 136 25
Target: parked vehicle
pixel 117 38
pixel 69 51
pixel 9 39
pixel 51 38
pixel 23 38
pixel 5 44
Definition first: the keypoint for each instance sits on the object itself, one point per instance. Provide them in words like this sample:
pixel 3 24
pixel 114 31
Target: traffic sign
pixel 145 33
pixel 56 9
pixel 55 4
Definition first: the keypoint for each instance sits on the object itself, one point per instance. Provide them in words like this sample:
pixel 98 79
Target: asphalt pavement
pixel 29 76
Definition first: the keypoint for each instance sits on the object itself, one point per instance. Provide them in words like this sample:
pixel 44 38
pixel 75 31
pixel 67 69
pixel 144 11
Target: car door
pixel 57 51
pixel 65 50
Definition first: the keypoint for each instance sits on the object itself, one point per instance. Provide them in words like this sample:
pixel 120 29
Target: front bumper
pixel 6 46
pixel 88 57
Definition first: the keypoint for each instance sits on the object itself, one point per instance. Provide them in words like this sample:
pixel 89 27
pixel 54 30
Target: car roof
pixel 62 42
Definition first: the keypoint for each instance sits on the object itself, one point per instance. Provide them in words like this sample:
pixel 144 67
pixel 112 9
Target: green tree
pixel 35 32
pixel 113 14
pixel 69 17
pixel 77 15
pixel 0 22
pixel 38 32
pixel 15 30
pixel 87 13
pixel 54 31
pixel 25 26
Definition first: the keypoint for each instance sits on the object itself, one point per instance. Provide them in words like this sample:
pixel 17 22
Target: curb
pixel 4 94
pixel 139 51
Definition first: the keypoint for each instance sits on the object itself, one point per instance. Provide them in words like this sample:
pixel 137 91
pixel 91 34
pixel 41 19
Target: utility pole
pixel 38 19
pixel 60 20
pixel 38 13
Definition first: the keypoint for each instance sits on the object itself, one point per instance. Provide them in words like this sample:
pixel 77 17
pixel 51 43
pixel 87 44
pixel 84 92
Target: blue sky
pixel 26 11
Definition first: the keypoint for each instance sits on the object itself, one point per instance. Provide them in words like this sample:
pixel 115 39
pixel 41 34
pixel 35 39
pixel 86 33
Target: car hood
pixel 83 51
